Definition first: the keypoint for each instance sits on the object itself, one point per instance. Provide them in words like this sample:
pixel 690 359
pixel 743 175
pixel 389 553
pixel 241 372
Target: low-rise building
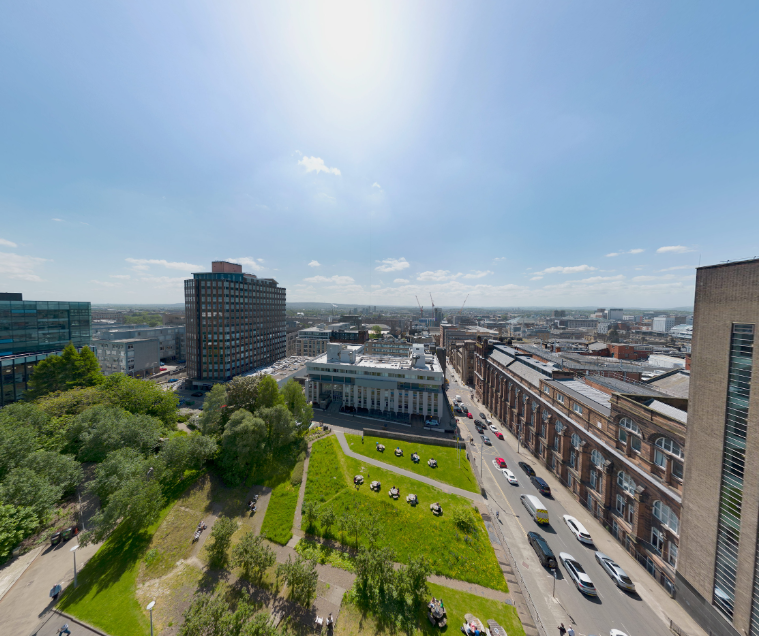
pixel 137 357
pixel 387 346
pixel 313 341
pixel 663 323
pixel 171 338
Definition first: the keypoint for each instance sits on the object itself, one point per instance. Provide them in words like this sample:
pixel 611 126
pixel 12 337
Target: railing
pixel 676 630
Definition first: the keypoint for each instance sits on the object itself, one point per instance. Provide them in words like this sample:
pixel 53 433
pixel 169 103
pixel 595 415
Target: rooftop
pixel 668 410
pixel 675 383
pixel 582 393
pixel 380 362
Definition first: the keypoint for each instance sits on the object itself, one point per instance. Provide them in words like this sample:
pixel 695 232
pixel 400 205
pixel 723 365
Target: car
pixel 197 393
pixel 579 531
pixel 469 415
pixel 486 441
pixel 542 486
pixel 501 463
pixel 577 574
pixel 481 415
pixel 499 435
pixel 527 469
pixel 162 369
pixel 493 428
pixel 510 477
pixel 540 546
pixel 64 535
pixel 615 572
pixel 173 380
pixel 478 423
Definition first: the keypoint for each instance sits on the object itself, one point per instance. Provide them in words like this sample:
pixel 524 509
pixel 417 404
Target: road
pixel 612 608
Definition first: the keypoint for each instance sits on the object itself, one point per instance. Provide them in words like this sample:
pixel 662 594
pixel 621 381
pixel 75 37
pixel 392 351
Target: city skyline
pixel 363 154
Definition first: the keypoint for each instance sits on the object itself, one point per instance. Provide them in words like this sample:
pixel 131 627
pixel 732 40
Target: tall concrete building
pixel 717 577
pixel 235 323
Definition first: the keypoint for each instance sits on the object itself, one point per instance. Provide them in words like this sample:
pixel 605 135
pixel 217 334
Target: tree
pixel 353 524
pixel 119 467
pixel 296 401
pixel 268 394
pixel 376 331
pixel 260 624
pixel 183 453
pixel 375 572
pixel 281 427
pixel 205 616
pixel 24 488
pixel 243 444
pixel 242 393
pixel 371 529
pixel 463 518
pixel 58 469
pixel 60 373
pixel 222 531
pixel 327 519
pixel 213 417
pixel 413 579
pixel 310 512
pixel 16 443
pixel 140 397
pixel 301 577
pixel 252 556
pixel 16 523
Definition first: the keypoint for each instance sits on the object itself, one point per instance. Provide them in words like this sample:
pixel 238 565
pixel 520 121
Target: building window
pixel 657 538
pixel 576 440
pixel 672 553
pixel 677 469
pixel 669 446
pixel 596 457
pixel 546 389
pixel 630 513
pixel 626 423
pixel 621 504
pixel 635 443
pixel 570 480
pixel 666 516
pixel 559 426
pixel 593 479
pixel 623 436
pixel 573 458
pixel 560 398
pixel 626 482
pixel 577 408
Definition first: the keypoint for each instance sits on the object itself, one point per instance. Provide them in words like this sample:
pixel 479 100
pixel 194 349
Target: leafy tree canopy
pixel 59 470
pixel 268 394
pixel 222 532
pixel 181 453
pixel 243 444
pixel 16 523
pixel 16 443
pixel 242 393
pixel 281 427
pixel 60 373
pixel 296 401
pixel 22 487
pixel 141 397
pixel 213 417
pixel 252 556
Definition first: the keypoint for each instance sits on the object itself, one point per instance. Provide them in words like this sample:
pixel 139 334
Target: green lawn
pixel 448 470
pixel 354 621
pixel 279 518
pixel 410 531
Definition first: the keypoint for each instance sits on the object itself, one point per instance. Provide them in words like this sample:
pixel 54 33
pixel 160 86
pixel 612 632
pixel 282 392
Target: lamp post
pixel 554 582
pixel 74 555
pixel 149 608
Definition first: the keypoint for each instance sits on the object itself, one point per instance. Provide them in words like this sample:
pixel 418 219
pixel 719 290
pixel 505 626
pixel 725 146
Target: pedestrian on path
pixel 562 630
pixel 55 591
pixel 570 631
pixel 64 630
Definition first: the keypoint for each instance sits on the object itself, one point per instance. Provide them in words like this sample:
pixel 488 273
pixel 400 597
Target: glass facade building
pixel 30 331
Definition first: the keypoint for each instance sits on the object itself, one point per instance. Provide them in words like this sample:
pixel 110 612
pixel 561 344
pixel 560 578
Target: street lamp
pixel 149 608
pixel 554 582
pixel 74 555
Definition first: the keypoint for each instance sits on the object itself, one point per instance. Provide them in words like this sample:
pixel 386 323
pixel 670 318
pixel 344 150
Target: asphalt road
pixel 612 608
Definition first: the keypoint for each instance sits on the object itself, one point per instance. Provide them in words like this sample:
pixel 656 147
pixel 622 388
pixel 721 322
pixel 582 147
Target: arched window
pixel 534 406
pixel 576 440
pixel 666 516
pixel 559 426
pixel 596 457
pixel 627 424
pixel 626 482
pixel 545 414
pixel 670 447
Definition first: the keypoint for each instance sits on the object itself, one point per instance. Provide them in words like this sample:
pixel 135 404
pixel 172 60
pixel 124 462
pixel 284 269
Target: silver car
pixel 615 572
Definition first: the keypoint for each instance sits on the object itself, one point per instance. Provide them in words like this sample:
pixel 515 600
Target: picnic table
pixel 437 613
pixel 394 493
pixel 472 625
pixel 436 509
pixel 359 479
pixel 432 463
pixel 415 457
pixel 398 452
pixel 380 447
pixel 412 498
pixel 375 485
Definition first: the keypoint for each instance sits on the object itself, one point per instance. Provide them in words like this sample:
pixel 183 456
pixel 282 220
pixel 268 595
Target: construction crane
pixel 419 305
pixel 464 305
pixel 433 312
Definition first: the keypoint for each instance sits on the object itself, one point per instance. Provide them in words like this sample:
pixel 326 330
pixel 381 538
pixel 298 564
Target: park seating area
pixel 436 509
pixel 432 463
pixel 394 493
pixel 412 499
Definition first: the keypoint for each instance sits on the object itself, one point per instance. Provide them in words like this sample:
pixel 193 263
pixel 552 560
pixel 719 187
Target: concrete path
pixel 474 497
pixel 55 619
pixel 15 569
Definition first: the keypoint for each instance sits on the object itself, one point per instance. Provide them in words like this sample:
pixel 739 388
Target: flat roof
pixel 380 362
pixel 582 393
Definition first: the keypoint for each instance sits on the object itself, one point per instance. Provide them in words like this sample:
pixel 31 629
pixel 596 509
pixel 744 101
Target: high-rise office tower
pixel 234 323
pixel 30 331
pixel 717 577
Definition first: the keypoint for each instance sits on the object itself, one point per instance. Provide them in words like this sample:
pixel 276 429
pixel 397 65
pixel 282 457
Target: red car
pixel 501 463
pixel 499 436
pixel 470 416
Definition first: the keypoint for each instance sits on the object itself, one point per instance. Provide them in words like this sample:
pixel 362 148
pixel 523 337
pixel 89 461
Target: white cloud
pixel 314 264
pixel 638 279
pixel 497 260
pixel 633 251
pixel 438 275
pixel 673 250
pixel 571 269
pixel 376 185
pixel 678 267
pixel 56 219
pixel 17 266
pixel 338 280
pixel 10 244
pixel 106 284
pixel 248 262
pixel 478 274
pixel 164 282
pixel 120 276
pixel 402 280
pixel 393 265
pixel 318 165
pixel 536 278
pixel 142 264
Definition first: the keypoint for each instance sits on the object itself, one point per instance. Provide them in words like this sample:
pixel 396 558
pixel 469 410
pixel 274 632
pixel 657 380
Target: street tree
pixel 59 470
pixel 327 519
pixel 311 512
pixel 242 393
pixel 281 427
pixel 301 577
pixel 182 453
pixel 222 531
pixel 16 523
pixel 252 556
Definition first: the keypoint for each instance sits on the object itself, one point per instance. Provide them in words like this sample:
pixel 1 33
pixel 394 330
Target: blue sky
pixel 524 153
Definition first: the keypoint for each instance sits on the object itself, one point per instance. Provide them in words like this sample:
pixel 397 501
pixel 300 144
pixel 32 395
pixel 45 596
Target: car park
pixel 527 469
pixel 493 428
pixel 577 574
pixel 501 463
pixel 487 441
pixel 540 546
pixel 542 486
pixel 579 531
pixel 510 477
pixel 615 572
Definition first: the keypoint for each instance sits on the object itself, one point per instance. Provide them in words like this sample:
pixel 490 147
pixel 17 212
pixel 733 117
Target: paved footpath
pixel 474 497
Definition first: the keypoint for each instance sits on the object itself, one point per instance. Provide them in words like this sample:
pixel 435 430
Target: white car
pixel 493 428
pixel 579 531
pixel 581 579
pixel 615 572
pixel 510 477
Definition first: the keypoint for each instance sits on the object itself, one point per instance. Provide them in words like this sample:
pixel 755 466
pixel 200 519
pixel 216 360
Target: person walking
pixel 562 630
pixel 570 631
pixel 64 630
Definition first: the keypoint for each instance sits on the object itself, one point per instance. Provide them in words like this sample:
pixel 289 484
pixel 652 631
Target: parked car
pixel 493 428
pixel 510 477
pixel 197 393
pixel 540 546
pixel 481 415
pixel 64 535
pixel 501 463
pixel 542 486
pixel 487 441
pixel 615 571
pixel 478 423
pixel 527 469
pixel 499 435
pixel 577 574
pixel 579 531
pixel 469 415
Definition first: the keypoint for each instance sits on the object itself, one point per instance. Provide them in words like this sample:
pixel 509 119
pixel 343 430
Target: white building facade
pixel 401 388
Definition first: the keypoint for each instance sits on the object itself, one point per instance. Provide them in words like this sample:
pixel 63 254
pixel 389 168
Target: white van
pixel 458 399
pixel 536 508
